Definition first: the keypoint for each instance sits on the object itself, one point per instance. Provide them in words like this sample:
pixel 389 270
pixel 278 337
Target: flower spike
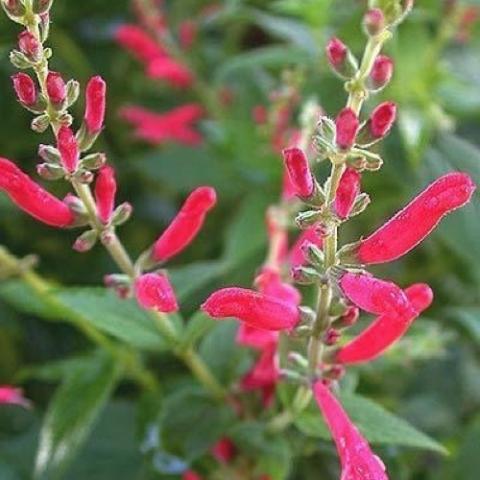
pixel 417 220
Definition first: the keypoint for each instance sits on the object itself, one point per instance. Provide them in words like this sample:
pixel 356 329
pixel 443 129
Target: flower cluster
pixel 344 286
pixel 158 48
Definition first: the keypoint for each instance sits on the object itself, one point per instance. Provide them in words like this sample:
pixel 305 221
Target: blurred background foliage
pixel 431 379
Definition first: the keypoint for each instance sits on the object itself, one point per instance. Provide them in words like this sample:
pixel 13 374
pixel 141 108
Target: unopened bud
pixel 49 171
pixel 379 125
pixel 307 218
pixel 331 336
pixel 374 22
pixel 334 373
pixel 381 73
pixel 75 204
pixel 73 91
pixel 297 359
pixel 56 88
pixel 349 318
pixel 40 123
pixel 313 254
pixel 347 125
pixel 86 139
pixel 307 316
pixel 361 203
pixel 84 176
pixel 25 89
pixel 94 161
pixel 14 8
pixel 30 46
pixel 41 7
pixel 122 214
pixel 86 241
pixel 19 60
pixel 49 154
pixel 305 275
pixel 341 59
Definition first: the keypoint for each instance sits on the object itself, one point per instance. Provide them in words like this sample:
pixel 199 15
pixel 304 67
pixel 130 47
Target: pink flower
pixel 374 21
pixel 224 450
pixel 253 308
pixel 311 235
pixel 166 68
pixel 336 53
pixel 95 99
pixel 139 43
pixel 191 475
pixel 56 88
pixel 13 396
pixel 29 45
pixel 32 198
pixel 154 291
pixel 382 71
pixel 298 169
pixel 105 190
pixel 387 329
pixel 411 225
pixel 177 125
pixel 25 89
pixel 347 192
pixel 277 238
pixel 357 460
pixel 68 148
pixel 382 119
pixel 347 128
pixel 186 225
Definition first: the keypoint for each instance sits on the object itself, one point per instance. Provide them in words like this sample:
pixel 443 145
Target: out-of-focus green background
pixel 432 378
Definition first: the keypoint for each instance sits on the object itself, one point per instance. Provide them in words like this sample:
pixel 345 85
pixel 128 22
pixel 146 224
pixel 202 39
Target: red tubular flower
pixel 336 53
pixel 374 295
pixel 95 99
pixel 311 235
pixel 187 33
pixel 382 71
pixel 13 396
pixel 253 308
pixel 347 192
pixel 347 128
pixel 166 68
pixel 68 147
pixel 56 88
pixel 32 198
pixel 185 226
pixel 382 119
pixel 411 225
pixel 105 190
pixel 277 238
pixel 264 375
pixel 29 45
pixel 154 291
pixel 25 89
pixel 357 459
pixel 176 125
pixel 386 329
pixel 299 171
pixel 224 450
pixel 139 43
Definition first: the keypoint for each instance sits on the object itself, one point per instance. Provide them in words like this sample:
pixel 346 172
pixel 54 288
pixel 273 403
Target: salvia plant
pixel 302 344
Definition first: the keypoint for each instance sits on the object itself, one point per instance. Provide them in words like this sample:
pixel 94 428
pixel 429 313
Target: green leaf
pixel 377 424
pixel 71 416
pixel 197 327
pixel 192 421
pixel 122 319
pixel 469 318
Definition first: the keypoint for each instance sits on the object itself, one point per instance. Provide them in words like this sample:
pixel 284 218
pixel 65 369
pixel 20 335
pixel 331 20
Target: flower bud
pixel 331 337
pixel 121 214
pixel 253 308
pixel 25 89
pixel 347 125
pixel 19 60
pixel 86 241
pixel 95 105
pixel 14 8
pixel 374 22
pixel 340 58
pixel 312 235
pixel 186 225
pixel 382 72
pixel 84 176
pixel 41 123
pixel 154 291
pixel 349 318
pixel 56 88
pixel 347 192
pixel 94 161
pixel 68 148
pixel 305 275
pixel 361 203
pixel 105 190
pixel 73 91
pixel 49 154
pixel 410 226
pixel 32 198
pixel 13 396
pixel 30 46
pixel 224 450
pixel 382 119
pixel 299 172
pixel 50 171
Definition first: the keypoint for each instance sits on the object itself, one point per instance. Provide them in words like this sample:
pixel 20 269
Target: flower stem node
pixel 49 171
pixel 306 275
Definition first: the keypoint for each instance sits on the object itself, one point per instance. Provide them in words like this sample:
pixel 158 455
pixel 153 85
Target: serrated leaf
pixel 71 416
pixel 377 424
